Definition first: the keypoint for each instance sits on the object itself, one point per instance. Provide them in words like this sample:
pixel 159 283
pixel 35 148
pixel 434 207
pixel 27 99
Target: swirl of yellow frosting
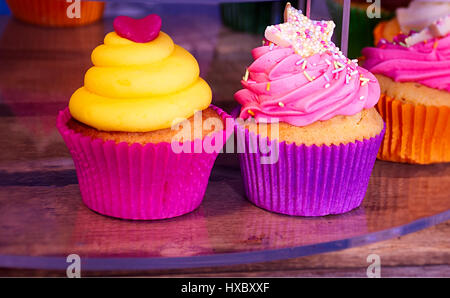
pixel 139 87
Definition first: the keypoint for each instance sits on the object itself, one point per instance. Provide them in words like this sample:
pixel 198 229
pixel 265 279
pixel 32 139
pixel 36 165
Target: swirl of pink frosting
pixel 427 63
pixel 283 85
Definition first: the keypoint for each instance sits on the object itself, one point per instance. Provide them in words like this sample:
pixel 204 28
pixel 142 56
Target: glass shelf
pixel 42 225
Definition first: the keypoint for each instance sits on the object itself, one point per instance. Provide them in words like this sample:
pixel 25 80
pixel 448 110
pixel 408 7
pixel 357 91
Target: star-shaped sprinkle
pixel 307 37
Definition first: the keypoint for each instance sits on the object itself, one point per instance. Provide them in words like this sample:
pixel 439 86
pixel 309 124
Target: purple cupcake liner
pixel 307 180
pixel 138 181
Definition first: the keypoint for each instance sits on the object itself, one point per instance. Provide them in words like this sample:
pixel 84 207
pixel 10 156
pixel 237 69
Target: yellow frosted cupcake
pixel 119 126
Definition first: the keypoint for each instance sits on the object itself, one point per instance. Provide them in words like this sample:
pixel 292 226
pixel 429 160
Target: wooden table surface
pixel 39 70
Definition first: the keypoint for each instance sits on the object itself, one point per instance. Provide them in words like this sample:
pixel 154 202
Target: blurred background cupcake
pixel 415 16
pixel 57 13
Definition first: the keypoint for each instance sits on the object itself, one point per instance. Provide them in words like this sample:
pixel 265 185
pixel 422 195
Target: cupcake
pixel 415 17
pixel 57 13
pixel 308 133
pixel 361 26
pixel 414 76
pixel 141 131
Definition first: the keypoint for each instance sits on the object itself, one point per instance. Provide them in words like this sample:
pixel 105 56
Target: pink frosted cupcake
pixel 311 133
pixel 119 127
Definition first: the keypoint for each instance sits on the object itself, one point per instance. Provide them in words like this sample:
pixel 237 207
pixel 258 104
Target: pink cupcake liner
pixel 307 180
pixel 140 181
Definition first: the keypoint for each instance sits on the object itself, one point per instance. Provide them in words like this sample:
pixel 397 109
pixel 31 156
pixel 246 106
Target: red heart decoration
pixel 138 30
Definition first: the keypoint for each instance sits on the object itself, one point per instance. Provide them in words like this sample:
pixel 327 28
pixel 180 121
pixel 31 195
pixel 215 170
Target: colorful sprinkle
pixel 304 64
pixel 335 65
pixel 268 86
pixel 364 80
pixel 245 78
pixel 308 76
pixel 251 112
pixel 281 104
pixel 339 64
pixel 435 45
pixel 299 61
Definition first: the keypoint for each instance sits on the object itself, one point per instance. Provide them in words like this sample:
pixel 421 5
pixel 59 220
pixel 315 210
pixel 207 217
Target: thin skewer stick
pixel 345 27
pixel 285 15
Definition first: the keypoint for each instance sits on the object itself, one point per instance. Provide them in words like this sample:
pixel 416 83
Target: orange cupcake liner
pixel 55 12
pixel 378 31
pixel 414 133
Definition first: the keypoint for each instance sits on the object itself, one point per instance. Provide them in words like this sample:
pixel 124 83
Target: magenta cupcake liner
pixel 307 180
pixel 140 181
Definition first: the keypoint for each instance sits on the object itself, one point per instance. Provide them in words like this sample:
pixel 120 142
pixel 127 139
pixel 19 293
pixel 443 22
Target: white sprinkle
pixel 271 47
pixel 361 97
pixel 353 72
pixel 326 77
pixel 328 61
pixel 327 85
